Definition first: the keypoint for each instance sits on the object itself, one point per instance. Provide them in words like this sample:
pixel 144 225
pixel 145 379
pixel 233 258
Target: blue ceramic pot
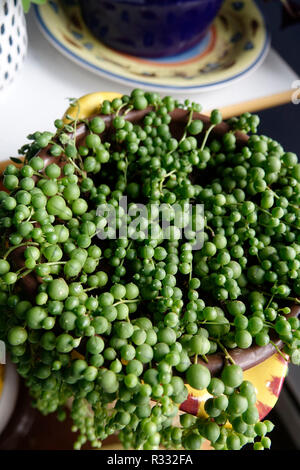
pixel 149 28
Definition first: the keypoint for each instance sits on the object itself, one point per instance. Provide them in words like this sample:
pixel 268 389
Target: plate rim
pixel 63 49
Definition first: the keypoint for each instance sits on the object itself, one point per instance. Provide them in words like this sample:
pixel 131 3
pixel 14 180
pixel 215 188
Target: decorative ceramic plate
pixel 235 45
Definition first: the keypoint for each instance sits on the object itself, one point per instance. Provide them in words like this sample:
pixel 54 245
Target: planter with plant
pixel 126 320
pixel 13 34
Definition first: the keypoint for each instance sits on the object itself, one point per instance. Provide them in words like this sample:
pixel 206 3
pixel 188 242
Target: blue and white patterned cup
pixel 13 40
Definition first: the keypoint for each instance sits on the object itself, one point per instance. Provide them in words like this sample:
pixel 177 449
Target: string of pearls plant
pixel 124 321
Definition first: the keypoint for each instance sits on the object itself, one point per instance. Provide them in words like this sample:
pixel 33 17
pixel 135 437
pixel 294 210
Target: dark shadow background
pixel 282 122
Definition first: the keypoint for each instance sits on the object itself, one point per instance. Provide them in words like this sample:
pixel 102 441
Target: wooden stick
pixel 256 105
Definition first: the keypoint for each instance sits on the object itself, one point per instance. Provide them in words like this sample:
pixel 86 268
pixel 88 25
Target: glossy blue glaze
pixel 149 28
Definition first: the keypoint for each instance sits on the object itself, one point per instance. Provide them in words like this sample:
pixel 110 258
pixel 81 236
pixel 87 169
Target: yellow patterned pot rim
pixel 235 45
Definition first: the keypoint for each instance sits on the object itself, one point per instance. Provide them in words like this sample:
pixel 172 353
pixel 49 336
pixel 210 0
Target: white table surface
pixel 39 94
